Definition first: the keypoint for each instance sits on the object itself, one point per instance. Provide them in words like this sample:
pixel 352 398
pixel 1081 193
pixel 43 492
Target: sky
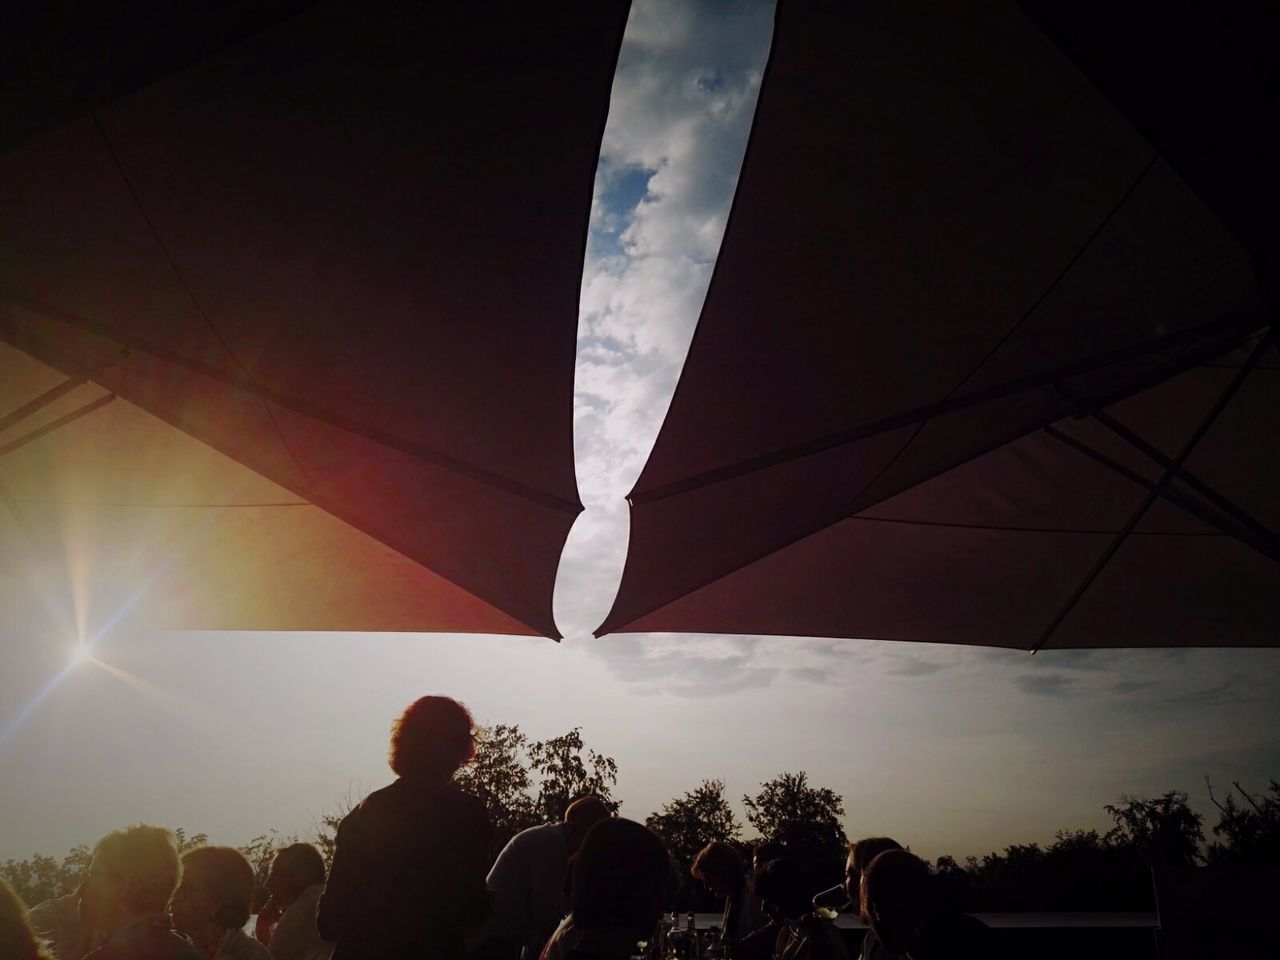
pixel 950 749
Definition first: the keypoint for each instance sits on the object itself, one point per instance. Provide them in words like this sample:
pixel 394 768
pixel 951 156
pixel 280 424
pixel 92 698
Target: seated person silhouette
pixel 212 904
pixel 286 924
pixel 125 891
pixel 618 889
pixel 861 853
pixel 901 903
pixel 528 883
pixel 56 921
pixel 786 890
pixel 719 866
pixel 759 943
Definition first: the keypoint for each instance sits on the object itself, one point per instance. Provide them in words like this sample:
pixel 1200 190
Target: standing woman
pixel 408 870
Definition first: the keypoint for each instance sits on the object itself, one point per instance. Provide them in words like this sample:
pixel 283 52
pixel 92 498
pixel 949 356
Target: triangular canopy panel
pixel 946 240
pixel 345 252
pixel 113 516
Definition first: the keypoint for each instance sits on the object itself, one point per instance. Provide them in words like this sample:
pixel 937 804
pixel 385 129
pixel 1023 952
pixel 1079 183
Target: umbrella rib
pixel 1236 320
pixel 39 403
pixel 1228 338
pixel 191 294
pixel 1004 528
pixel 24 341
pixel 161 506
pixel 1097 232
pixel 1265 545
pixel 836 440
pixel 1159 490
pixel 53 425
pixel 1131 437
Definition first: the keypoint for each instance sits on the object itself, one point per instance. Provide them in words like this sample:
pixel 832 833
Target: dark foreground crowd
pixel 411 878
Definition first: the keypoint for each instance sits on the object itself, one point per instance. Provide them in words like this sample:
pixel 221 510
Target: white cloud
pixel 681 110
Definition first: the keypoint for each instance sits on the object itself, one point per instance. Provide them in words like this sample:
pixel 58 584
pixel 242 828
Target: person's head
pixel 216 891
pixel 861 853
pixel 785 888
pixel 719 866
pixel 620 878
pixel 766 851
pixel 580 816
pixel 432 739
pixel 17 941
pixel 132 872
pixel 896 897
pixel 295 867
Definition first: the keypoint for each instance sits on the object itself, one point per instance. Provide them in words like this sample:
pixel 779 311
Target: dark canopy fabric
pixel 345 252
pixel 970 367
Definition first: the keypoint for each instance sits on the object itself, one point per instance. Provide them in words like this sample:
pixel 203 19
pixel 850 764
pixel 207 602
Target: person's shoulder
pixel 469 807
pixel 159 945
pixel 241 946
pixel 380 799
pixel 179 948
pixel 531 836
pixel 55 912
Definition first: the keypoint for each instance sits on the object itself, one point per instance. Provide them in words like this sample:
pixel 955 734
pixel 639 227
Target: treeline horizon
pixel 525 782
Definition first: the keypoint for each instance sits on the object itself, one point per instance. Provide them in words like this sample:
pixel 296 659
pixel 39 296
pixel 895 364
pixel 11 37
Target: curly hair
pixel 432 738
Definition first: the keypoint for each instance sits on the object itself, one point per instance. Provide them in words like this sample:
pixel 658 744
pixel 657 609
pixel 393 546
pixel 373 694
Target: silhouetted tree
pixel 806 819
pixel 39 878
pixel 564 775
pixel 186 842
pixel 509 767
pixel 499 776
pixel 954 883
pixel 1162 831
pixel 687 824
pixel 1250 831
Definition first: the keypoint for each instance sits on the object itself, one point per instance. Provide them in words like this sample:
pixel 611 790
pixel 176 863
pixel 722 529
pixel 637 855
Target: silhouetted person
pixel 213 902
pixel 125 892
pixel 760 943
pixel 618 889
pixel 528 883
pixel 286 923
pixel 407 878
pixel 719 866
pixel 785 888
pixel 861 853
pixel 57 922
pixel 906 915
pixel 17 940
pixel 766 851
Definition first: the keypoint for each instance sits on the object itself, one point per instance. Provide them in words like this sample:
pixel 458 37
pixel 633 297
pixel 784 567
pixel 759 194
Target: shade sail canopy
pixel 978 364
pixel 344 252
